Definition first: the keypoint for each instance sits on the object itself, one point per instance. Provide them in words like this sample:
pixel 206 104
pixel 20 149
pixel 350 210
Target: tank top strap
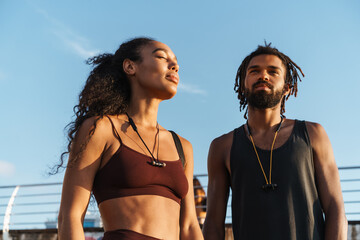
pixel 114 130
pixel 301 130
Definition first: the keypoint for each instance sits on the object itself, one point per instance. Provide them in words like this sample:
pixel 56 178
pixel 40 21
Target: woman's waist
pixel 144 214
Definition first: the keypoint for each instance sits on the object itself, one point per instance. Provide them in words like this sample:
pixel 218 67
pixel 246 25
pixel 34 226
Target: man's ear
pixel 129 67
pixel 286 89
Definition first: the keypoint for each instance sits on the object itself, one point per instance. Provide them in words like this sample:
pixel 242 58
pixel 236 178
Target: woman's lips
pixel 173 77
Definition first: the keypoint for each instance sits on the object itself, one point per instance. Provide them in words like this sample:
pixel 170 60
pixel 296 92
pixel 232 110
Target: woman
pixel 119 151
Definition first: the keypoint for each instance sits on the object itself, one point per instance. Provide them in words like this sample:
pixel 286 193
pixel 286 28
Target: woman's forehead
pixel 155 46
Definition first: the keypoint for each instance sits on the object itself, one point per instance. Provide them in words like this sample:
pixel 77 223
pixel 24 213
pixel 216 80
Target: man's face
pixel 265 81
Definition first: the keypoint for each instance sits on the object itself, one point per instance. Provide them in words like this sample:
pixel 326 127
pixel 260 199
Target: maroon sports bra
pixel 127 173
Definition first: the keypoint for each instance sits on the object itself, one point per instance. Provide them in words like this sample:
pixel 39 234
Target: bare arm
pixel 78 181
pixel 328 183
pixel 218 189
pixel 189 225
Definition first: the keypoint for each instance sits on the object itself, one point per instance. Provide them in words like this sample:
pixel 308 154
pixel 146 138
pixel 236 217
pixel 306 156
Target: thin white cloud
pixel 191 89
pixel 78 46
pixel 77 43
pixel 6 169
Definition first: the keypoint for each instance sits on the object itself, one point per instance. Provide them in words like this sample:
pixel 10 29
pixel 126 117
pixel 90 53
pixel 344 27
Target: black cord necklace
pixel 155 162
pixel 269 185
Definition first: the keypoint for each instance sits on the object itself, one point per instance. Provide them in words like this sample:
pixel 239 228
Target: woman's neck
pixel 144 112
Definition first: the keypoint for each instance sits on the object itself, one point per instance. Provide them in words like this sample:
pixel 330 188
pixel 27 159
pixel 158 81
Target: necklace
pixel 154 162
pixel 269 185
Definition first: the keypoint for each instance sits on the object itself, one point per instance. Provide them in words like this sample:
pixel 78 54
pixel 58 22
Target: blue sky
pixel 43 46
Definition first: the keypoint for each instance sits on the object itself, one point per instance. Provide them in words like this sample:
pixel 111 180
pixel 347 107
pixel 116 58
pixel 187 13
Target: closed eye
pixel 162 57
pixel 273 72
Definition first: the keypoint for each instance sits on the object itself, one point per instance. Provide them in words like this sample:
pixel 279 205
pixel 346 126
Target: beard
pixel 263 99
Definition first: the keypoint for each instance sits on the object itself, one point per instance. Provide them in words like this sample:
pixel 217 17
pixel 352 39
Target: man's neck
pixel 263 120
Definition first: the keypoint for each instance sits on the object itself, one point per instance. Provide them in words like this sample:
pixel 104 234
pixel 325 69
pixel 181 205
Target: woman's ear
pixel 129 67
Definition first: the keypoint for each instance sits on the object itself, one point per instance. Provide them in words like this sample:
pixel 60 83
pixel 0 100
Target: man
pixel 282 173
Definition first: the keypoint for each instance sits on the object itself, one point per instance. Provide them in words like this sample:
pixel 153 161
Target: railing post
pixel 6 224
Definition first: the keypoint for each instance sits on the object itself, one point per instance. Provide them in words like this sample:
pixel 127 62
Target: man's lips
pixel 173 77
pixel 262 85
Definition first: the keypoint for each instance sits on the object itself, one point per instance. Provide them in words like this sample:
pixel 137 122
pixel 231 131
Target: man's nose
pixel 264 76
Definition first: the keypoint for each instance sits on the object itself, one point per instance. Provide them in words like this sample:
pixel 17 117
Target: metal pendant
pixel 157 164
pixel 269 187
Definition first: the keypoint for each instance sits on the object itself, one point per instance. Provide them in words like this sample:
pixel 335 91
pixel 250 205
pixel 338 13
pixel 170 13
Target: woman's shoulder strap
pixel 178 147
pixel 114 129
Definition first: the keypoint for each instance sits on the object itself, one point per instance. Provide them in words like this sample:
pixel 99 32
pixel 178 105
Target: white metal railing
pixel 35 206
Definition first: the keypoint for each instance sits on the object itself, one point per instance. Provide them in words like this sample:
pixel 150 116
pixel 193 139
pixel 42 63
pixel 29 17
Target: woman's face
pixel 156 75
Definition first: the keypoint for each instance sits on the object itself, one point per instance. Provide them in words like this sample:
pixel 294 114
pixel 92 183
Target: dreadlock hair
pixel 106 92
pixel 292 75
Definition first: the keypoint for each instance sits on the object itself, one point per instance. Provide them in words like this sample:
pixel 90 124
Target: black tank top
pixel 293 210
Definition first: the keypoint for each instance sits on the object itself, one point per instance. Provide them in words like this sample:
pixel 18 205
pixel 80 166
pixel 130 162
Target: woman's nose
pixel 175 67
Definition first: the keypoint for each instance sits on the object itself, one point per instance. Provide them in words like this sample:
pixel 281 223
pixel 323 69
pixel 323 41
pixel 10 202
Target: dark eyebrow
pixel 272 67
pixel 253 66
pixel 162 49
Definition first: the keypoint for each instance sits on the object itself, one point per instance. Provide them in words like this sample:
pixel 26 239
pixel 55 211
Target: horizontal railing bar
pixel 46 212
pixel 5 196
pixel 33 195
pixel 200 175
pixel 351 201
pixel 350 167
pixel 30 213
pixel 355 190
pixel 31 204
pixel 37 195
pixel 31 185
pixel 350 180
pixel 24 223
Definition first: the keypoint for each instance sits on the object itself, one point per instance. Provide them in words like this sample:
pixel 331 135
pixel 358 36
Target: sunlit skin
pixel 270 69
pixel 156 76
pixel 263 123
pixel 152 80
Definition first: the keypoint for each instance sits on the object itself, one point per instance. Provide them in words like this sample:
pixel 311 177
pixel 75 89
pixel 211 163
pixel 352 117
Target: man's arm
pixel 328 183
pixel 218 188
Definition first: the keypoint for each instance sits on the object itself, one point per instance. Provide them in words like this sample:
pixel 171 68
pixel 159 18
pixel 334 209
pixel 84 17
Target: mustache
pixel 262 82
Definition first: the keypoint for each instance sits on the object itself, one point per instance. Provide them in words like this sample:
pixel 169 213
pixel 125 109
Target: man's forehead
pixel 266 60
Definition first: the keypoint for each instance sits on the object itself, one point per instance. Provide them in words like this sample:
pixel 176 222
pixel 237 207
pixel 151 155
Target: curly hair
pixel 292 75
pixel 106 92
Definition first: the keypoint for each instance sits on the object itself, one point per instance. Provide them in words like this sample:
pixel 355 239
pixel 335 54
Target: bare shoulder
pixel 101 123
pixel 185 143
pixel 95 132
pixel 222 144
pixel 225 138
pixel 188 149
pixel 313 126
pixel 316 131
